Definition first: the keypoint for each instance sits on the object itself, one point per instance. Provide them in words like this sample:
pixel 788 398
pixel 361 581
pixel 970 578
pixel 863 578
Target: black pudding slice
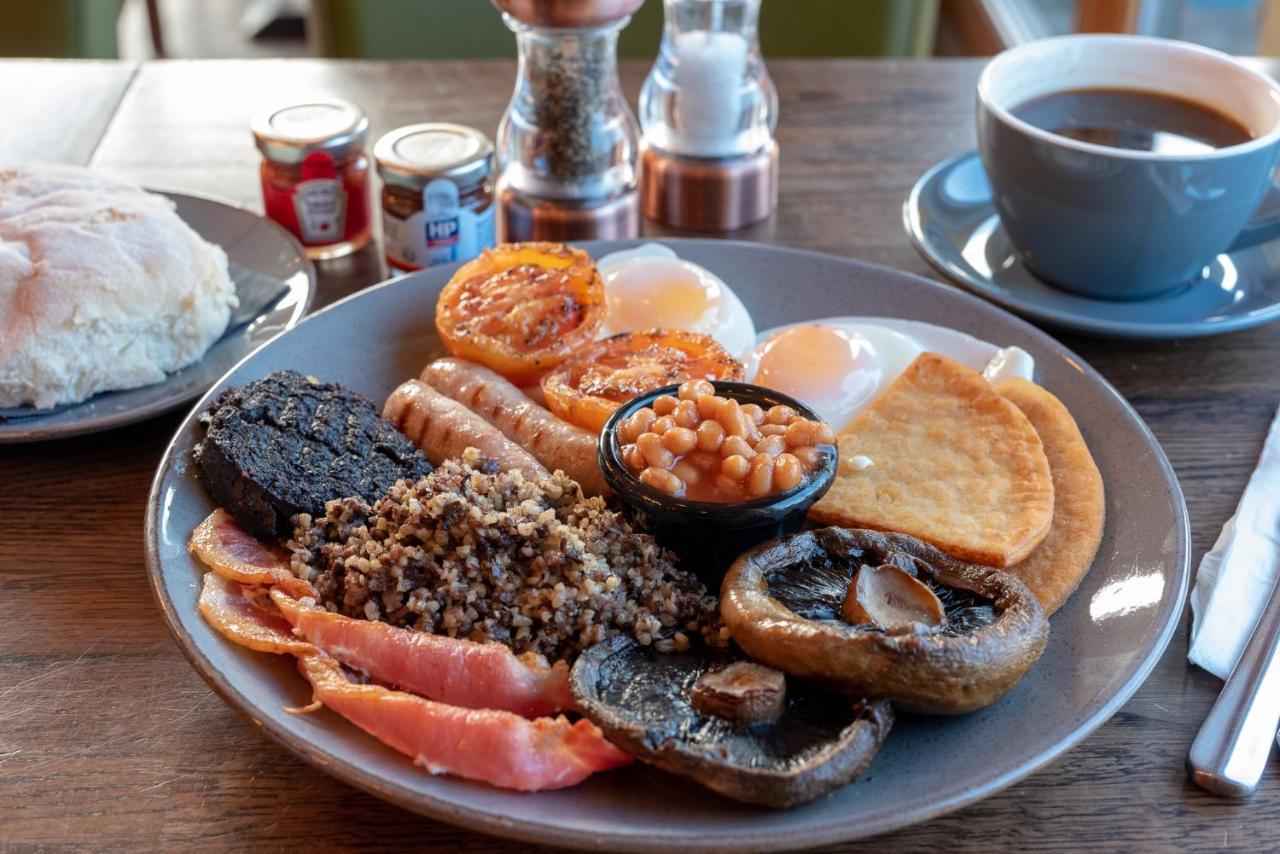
pixel 286 444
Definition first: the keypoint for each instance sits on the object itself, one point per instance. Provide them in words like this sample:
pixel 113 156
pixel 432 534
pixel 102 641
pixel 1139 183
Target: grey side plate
pixel 276 285
pixel 1103 643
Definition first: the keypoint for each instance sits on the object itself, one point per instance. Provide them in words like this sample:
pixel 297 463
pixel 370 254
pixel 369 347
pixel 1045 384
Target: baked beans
pixel 698 445
pixel 664 405
pixel 710 435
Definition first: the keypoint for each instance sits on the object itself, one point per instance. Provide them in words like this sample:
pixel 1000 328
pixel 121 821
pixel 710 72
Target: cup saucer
pixel 953 224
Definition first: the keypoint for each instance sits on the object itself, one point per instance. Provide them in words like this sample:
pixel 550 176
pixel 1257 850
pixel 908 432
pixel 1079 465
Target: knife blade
pixel 1231 749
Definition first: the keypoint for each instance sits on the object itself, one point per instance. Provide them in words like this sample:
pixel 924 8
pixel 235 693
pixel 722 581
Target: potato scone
pixel 1057 566
pixel 951 462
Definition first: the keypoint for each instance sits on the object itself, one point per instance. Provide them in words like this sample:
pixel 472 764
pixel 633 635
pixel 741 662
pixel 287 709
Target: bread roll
pixel 102 287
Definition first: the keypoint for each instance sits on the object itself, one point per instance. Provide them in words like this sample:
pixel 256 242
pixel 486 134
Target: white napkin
pixel 1236 575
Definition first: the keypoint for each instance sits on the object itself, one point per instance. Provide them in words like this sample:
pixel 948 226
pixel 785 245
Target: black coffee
pixel 1131 118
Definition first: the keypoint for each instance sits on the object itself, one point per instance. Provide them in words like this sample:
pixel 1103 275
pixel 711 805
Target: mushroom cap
pixel 782 601
pixel 641 699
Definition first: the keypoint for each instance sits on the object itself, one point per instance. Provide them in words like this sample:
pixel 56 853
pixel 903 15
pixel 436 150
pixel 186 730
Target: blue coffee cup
pixel 1116 223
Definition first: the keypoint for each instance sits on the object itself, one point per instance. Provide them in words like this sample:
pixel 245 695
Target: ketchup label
pixel 320 200
pixel 326 205
pixel 321 206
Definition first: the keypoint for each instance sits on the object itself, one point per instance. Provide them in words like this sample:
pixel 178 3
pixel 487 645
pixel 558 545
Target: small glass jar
pixel 437 194
pixel 315 173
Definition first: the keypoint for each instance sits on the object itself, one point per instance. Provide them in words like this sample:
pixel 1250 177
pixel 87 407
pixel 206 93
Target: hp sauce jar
pixel 315 173
pixel 437 194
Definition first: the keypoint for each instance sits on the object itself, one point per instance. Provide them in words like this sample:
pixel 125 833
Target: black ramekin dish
pixel 709 535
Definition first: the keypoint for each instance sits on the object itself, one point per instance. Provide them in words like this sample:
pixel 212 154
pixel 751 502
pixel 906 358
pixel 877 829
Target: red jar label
pixel 321 208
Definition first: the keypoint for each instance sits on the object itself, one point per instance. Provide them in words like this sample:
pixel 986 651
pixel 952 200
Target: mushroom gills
pixel 784 605
pixel 645 702
pixel 888 597
pixel 813 592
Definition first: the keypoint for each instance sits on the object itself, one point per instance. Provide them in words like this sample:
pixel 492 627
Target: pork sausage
pixel 555 443
pixel 444 428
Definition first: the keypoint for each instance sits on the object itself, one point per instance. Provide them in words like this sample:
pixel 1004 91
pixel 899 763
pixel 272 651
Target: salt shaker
pixel 708 110
pixel 567 144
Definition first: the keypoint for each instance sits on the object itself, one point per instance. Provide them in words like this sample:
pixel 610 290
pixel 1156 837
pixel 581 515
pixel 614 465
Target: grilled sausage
pixel 444 428
pixel 555 443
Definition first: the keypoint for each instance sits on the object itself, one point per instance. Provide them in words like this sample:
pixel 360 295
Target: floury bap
pixel 102 287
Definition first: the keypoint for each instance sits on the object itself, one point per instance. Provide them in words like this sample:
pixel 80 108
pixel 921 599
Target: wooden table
pixel 109 739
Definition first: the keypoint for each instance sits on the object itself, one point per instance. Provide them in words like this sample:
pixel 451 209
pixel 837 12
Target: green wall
pixel 84 29
pixel 405 29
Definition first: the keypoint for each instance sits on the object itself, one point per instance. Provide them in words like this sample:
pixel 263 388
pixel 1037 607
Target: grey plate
pixel 276 284
pixel 953 223
pixel 1103 644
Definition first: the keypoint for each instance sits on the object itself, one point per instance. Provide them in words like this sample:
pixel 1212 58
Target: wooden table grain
pixel 56 111
pixel 108 739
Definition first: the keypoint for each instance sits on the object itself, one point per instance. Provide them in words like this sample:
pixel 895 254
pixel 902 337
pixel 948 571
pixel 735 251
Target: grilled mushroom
pixel 728 724
pixel 785 605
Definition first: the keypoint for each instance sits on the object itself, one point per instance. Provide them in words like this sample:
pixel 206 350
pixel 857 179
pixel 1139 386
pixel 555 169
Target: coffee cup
pixel 1120 223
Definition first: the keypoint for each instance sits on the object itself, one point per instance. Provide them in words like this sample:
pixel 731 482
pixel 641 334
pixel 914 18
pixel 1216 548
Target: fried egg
pixel 838 365
pixel 651 287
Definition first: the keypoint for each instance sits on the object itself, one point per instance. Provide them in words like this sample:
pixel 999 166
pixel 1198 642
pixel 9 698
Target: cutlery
pixel 1231 749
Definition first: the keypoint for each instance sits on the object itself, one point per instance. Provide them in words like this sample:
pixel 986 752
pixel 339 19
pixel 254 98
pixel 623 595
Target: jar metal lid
pixel 287 134
pixel 413 155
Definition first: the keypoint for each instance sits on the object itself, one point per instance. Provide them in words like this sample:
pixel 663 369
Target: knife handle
pixel 1234 742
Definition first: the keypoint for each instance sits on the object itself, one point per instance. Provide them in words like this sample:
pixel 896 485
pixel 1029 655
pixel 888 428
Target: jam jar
pixel 437 194
pixel 315 173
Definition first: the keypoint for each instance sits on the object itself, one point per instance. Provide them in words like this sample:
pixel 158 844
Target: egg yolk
pixel 820 365
pixel 659 292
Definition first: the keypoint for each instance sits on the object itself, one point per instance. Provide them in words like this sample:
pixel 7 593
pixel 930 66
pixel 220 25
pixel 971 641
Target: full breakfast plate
pixel 880 613
pixel 275 285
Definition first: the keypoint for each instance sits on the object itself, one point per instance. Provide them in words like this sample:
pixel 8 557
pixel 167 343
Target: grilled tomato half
pixel 586 389
pixel 522 308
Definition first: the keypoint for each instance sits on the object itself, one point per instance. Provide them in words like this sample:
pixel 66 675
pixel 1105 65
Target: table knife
pixel 1231 749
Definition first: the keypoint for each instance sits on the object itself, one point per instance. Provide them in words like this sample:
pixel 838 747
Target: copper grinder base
pixel 523 217
pixel 709 194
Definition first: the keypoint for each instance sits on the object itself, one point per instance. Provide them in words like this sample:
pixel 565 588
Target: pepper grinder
pixel 567 144
pixel 708 110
